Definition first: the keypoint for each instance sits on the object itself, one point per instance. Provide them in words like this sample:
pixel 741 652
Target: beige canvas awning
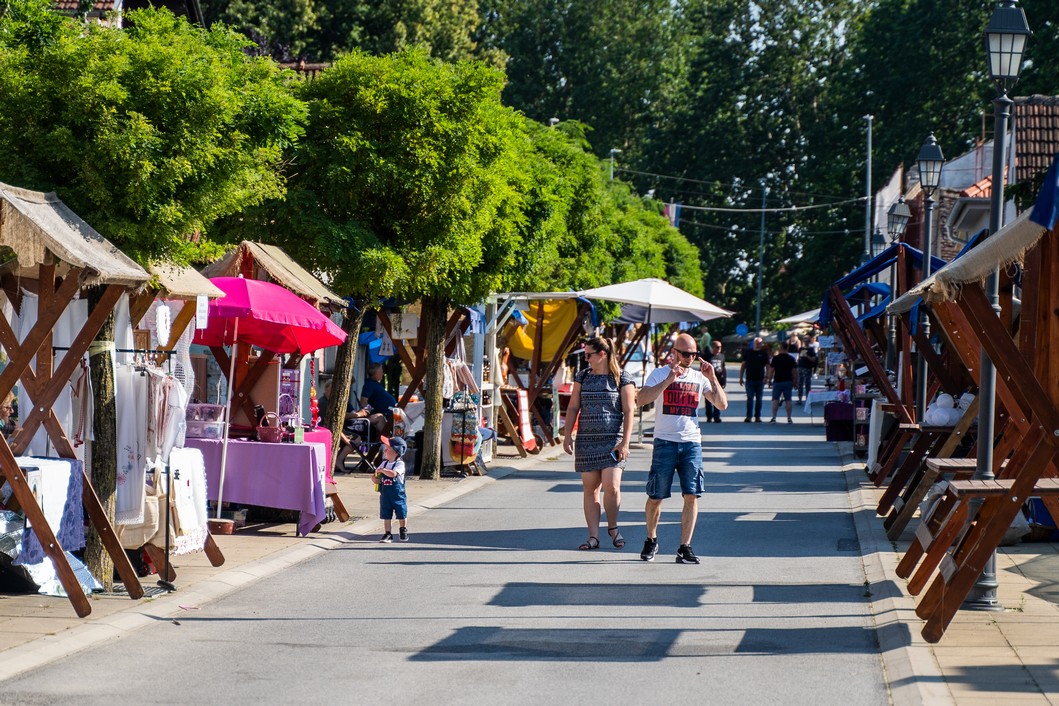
pixel 183 283
pixel 33 224
pixel 280 268
pixel 1009 245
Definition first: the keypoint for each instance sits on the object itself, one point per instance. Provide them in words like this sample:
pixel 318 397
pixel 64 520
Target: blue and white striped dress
pixel 599 425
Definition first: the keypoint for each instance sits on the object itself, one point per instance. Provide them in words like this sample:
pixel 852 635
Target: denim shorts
pixel 783 390
pixel 684 457
pixel 389 506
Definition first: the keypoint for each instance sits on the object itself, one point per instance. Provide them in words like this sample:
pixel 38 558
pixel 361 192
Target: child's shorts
pixel 389 507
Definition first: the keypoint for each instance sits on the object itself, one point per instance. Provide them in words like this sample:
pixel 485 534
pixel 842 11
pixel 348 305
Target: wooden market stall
pixel 948 554
pixel 54 252
pixel 269 263
pixel 518 407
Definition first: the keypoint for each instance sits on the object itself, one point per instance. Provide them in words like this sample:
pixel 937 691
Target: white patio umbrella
pixel 655 301
pixel 806 317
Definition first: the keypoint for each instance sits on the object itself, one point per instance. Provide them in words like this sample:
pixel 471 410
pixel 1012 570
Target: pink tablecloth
pixel 287 476
pixel 322 436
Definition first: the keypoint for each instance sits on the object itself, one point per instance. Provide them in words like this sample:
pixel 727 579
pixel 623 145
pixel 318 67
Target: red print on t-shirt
pixel 681 399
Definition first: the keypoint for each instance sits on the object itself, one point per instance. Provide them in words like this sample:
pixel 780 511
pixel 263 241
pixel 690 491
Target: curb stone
pixel 910 668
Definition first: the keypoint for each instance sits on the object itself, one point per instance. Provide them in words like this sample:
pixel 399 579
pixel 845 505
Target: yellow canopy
pixel 559 316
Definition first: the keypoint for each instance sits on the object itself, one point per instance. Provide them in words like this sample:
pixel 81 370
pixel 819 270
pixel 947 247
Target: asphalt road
pixel 490 602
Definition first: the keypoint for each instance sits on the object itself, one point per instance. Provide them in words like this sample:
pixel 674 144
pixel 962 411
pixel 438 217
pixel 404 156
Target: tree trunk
pixel 342 379
pixel 435 314
pixel 104 453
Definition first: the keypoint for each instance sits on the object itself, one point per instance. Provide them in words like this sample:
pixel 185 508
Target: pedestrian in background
pixel 807 362
pixel 677 441
pixel 783 369
pixel 716 359
pixel 601 404
pixel 752 377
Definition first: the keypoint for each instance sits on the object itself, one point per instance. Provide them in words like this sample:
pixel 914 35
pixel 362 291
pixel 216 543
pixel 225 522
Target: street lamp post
pixel 930 162
pixel 1005 40
pixel 896 221
pixel 761 255
pixel 613 151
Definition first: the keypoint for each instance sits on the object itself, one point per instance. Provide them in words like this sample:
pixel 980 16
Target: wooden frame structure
pixel 1027 386
pixel 271 264
pixel 60 253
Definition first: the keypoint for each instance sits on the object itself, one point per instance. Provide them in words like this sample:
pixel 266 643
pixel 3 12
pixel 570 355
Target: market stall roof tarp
pixel 559 317
pixel 280 267
pixel 1008 245
pixel 877 264
pixel 653 300
pixel 176 282
pixel 33 222
pixel 806 317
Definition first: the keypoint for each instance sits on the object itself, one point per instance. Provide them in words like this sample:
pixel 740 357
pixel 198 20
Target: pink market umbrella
pixel 269 317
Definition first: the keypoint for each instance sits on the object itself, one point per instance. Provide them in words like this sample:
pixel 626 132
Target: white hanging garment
pixel 130 398
pixel 188 471
pixel 123 338
pixel 66 328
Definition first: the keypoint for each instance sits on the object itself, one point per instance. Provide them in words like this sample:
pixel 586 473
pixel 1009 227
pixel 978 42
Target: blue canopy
pixel 877 264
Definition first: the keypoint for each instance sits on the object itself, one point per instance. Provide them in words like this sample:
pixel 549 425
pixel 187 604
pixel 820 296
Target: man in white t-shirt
pixel 678 442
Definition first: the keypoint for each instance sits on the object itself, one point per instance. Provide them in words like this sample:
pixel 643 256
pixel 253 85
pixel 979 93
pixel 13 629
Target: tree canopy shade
pixel 149 133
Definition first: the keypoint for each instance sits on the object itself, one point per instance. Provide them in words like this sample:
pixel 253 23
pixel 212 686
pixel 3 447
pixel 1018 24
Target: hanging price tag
pixel 202 304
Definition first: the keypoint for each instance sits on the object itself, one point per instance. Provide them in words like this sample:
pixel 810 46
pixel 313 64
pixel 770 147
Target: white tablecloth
pixel 823 397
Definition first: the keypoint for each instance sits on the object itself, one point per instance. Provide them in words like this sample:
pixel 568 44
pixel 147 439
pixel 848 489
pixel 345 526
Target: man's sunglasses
pixel 686 354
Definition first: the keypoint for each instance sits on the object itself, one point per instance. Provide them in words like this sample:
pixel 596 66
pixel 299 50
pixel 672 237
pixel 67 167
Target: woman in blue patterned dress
pixel 601 404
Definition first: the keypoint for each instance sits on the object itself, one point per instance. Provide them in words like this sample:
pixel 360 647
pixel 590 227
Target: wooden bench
pixel 904 508
pixel 945 525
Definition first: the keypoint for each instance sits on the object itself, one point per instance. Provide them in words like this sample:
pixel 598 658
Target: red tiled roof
pixel 982 190
pixel 1036 134
pixel 70 7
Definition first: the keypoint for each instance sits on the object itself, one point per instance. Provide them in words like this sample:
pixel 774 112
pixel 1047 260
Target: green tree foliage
pixel 321 30
pixel 149 133
pixel 611 65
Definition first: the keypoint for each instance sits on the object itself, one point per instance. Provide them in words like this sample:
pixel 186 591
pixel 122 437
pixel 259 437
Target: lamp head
pixel 897 219
pixel 1005 40
pixel 930 161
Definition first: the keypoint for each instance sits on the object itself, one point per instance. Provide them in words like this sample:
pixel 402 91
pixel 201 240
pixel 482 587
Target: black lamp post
pixel 896 221
pixel 930 162
pixel 1005 40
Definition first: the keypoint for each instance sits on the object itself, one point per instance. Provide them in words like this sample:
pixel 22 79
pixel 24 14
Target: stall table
pixel 285 476
pixel 823 397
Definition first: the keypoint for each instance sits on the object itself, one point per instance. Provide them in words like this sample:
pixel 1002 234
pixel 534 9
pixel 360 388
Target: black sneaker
pixel 757 419
pixel 747 420
pixel 650 548
pixel 387 538
pixel 772 421
pixel 404 534
pixel 685 555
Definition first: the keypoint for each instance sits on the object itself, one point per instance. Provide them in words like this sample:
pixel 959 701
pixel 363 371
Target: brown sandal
pixel 615 536
pixel 590 544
